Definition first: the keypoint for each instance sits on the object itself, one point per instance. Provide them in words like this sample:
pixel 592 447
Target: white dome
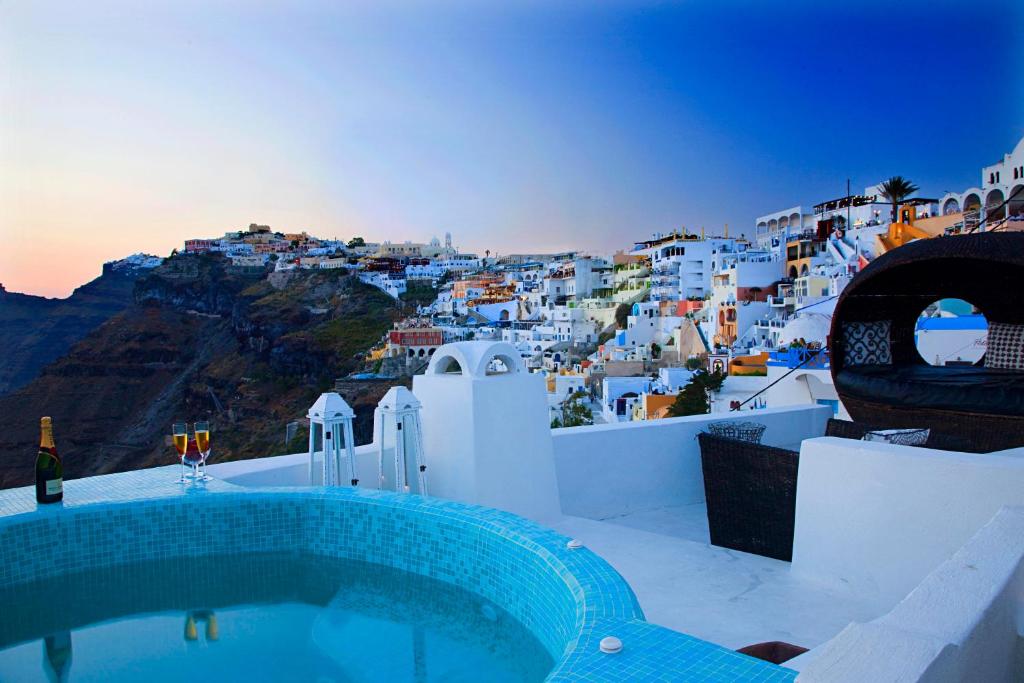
pixel 813 327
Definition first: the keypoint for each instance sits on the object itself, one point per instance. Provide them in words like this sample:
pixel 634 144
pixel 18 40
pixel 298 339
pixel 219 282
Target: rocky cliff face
pixel 199 341
pixel 35 330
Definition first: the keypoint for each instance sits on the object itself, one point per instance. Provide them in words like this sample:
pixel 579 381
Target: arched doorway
pixel 950 206
pixel 994 209
pixel 1015 207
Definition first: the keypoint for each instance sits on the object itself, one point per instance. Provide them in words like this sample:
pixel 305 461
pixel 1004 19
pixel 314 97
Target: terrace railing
pixel 801 356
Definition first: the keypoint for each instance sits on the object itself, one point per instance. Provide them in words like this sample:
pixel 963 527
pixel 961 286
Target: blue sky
pixel 531 127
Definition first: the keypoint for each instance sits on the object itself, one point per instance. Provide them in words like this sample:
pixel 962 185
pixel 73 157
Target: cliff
pixel 199 340
pixel 35 330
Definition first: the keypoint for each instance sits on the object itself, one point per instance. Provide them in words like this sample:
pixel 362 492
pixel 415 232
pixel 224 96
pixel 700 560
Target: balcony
pixel 800 356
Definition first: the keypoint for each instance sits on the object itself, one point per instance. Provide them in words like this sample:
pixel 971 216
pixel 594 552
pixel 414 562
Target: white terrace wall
pixel 611 469
pixel 291 470
pixel 880 517
pixel 602 470
pixel 962 623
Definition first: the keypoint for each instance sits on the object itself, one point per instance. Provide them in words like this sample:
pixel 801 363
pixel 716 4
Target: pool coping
pixel 605 603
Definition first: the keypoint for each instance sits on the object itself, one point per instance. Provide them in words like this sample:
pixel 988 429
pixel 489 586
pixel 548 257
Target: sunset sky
pixel 548 125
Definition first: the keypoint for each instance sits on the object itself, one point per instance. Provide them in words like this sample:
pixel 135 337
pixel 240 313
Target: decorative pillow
pixel 902 437
pixel 1005 346
pixel 868 343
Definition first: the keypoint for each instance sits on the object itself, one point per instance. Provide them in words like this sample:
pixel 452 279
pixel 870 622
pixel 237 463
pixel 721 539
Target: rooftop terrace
pixel 907 562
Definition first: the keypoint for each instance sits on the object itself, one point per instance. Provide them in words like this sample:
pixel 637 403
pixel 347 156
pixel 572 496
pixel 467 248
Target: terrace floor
pixel 724 596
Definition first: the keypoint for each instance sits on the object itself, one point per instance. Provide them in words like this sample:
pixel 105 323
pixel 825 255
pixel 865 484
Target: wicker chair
pixel 981 406
pixel 751 495
pixel 855 430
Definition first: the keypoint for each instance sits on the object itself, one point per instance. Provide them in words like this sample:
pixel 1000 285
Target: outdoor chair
pixel 846 429
pixel 751 495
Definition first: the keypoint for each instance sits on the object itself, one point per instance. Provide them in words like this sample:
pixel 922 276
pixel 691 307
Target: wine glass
pixel 179 434
pixel 203 444
pixel 192 458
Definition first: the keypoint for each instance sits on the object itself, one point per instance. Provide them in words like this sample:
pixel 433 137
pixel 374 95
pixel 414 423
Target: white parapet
pixel 486 430
pixel 879 517
pixel 962 623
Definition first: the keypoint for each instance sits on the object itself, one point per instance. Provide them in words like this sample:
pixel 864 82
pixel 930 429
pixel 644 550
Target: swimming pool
pixel 278 616
pixel 516 599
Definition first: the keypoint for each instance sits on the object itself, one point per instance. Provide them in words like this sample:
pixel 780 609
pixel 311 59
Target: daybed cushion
pixel 962 388
pixel 1005 346
pixel 900 437
pixel 867 343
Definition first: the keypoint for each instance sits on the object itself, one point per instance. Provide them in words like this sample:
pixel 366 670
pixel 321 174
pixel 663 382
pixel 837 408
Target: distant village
pixel 620 336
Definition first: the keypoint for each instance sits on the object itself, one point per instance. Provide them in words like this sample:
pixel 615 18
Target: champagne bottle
pixel 49 468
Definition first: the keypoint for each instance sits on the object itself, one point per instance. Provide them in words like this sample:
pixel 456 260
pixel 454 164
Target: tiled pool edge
pixel 558 580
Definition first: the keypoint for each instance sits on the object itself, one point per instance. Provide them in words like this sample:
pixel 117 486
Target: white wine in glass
pixel 179 434
pixel 203 444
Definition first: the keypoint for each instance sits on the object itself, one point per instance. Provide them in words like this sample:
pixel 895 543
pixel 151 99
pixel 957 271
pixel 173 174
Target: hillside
pixel 248 351
pixel 35 330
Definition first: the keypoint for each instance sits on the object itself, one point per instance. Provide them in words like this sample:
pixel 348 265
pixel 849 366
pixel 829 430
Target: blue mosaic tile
pixel 569 599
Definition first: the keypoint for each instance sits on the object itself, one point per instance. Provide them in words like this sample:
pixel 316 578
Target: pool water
pixel 259 618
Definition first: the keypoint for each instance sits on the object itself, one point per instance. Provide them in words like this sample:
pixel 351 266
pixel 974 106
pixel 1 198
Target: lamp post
pixel 330 433
pixel 399 435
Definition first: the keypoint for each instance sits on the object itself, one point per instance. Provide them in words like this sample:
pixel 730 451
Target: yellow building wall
pixel 653 402
pixel 755 364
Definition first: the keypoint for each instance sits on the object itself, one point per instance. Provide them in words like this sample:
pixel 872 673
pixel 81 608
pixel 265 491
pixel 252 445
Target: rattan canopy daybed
pixel 879 374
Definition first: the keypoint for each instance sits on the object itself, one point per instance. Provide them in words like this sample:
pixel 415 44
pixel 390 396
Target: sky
pixel 517 127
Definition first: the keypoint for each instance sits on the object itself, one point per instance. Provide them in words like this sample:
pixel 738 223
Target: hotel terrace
pixel 848 507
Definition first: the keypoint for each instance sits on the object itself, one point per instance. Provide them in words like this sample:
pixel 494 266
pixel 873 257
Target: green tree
pixel 356 242
pixel 655 350
pixel 622 315
pixel 574 413
pixel 693 399
pixel 712 381
pixel 693 363
pixel 895 190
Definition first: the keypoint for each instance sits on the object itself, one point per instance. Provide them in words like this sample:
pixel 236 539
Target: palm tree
pixel 896 189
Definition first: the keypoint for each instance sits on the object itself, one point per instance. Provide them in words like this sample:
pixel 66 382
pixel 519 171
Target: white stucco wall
pixel 487 436
pixel 880 517
pixel 962 623
pixel 611 469
pixel 602 470
pixel 291 470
